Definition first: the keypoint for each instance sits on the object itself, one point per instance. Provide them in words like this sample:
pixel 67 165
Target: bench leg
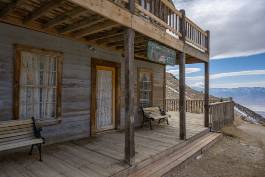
pixel 150 123
pixel 142 124
pixel 167 122
pixel 39 148
pixel 31 149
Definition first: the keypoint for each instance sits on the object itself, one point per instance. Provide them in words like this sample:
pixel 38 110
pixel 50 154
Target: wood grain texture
pixel 76 80
pixel 101 156
pixel 182 96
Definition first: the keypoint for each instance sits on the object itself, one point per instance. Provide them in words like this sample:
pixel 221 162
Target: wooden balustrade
pixel 165 15
pixel 221 114
pixel 192 106
pixel 195 106
pixel 195 35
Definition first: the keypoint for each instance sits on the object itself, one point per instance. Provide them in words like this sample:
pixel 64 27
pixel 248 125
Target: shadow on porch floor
pixel 99 156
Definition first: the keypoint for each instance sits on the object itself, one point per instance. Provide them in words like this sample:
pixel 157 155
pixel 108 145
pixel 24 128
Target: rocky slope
pixel 172 89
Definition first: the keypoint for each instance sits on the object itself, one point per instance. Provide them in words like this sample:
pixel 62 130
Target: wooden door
pixel 105 98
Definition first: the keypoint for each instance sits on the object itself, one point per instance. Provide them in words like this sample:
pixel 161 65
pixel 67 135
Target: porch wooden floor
pixel 100 156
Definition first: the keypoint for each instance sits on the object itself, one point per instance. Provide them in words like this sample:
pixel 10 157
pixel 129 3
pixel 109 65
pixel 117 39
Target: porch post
pixel 182 85
pixel 206 94
pixel 206 85
pixel 129 91
pixel 182 99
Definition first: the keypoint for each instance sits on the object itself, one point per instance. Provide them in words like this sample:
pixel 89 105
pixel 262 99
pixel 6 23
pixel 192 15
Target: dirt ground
pixel 241 153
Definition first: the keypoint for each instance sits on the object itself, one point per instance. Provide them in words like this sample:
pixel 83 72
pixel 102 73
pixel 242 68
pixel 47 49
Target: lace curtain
pixel 38 76
pixel 145 83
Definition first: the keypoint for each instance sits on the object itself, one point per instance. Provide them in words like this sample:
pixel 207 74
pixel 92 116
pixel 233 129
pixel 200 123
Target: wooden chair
pixel 154 114
pixel 20 133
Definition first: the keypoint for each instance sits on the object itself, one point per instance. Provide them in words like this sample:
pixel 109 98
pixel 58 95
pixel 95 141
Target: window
pixel 38 83
pixel 145 83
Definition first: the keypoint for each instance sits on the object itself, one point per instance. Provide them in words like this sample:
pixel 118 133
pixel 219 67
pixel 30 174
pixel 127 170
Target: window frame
pixel 150 71
pixel 17 69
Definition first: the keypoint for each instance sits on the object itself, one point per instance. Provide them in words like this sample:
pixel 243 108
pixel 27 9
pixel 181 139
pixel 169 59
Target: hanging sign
pixel 160 53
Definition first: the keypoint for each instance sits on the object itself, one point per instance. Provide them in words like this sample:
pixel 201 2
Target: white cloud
pixel 237 85
pixel 228 74
pixel 237 26
pixel 175 71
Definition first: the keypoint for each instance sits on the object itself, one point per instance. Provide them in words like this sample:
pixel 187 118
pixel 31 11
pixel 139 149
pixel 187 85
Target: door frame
pixel 99 62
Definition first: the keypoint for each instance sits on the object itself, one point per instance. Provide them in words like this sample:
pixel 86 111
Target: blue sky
pixel 237 42
pixel 228 73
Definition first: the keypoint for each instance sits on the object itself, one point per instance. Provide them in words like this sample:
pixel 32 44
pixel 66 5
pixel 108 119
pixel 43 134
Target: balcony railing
pixel 164 14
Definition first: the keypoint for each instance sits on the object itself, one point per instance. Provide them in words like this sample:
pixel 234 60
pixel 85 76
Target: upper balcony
pixel 102 23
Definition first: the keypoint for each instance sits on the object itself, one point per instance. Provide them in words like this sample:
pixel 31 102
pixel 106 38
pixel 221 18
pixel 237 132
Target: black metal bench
pixel 20 133
pixel 151 114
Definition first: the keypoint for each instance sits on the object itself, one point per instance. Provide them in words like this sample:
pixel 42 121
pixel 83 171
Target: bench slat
pixel 15 140
pixel 15 123
pixel 15 134
pixel 20 144
pixel 4 129
pixel 16 130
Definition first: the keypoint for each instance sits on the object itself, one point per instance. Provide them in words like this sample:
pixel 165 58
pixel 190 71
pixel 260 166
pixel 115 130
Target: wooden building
pixel 82 66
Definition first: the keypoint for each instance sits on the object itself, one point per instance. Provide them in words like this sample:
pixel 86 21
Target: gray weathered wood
pixel 129 91
pixel 62 18
pixel 10 7
pixel 206 94
pixel 44 8
pixel 182 102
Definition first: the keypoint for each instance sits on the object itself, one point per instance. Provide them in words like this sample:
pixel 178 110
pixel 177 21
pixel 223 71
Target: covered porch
pixel 101 155
pixel 117 31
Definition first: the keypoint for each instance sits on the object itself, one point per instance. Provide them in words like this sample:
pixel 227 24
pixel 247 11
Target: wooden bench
pixel 20 133
pixel 154 114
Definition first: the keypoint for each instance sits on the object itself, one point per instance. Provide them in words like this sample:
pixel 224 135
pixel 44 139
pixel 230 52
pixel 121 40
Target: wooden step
pixel 171 163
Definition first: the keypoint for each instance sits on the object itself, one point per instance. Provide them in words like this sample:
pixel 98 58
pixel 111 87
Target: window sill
pixel 48 122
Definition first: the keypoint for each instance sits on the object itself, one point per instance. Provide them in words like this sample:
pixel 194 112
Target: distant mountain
pixel 253 98
pixel 250 101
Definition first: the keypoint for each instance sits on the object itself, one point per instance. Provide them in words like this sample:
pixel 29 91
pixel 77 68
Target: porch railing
pixel 192 106
pixel 164 14
pixel 221 114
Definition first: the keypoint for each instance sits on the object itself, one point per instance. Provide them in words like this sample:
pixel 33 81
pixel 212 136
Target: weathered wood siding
pixel 158 86
pixel 76 81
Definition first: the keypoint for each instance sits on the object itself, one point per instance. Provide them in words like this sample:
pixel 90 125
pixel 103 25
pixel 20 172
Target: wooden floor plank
pixel 98 157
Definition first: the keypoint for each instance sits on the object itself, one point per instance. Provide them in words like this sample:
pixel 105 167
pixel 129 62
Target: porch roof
pixel 102 24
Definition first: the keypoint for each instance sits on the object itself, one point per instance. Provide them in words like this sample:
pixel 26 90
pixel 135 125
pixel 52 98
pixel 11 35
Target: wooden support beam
pixel 129 91
pixel 182 84
pixel 87 22
pixel 106 35
pixel 182 96
pixel 206 84
pixel 183 25
pixel 129 96
pixel 96 29
pixel 206 94
pixel 120 43
pixel 120 15
pixel 10 7
pixel 208 42
pixel 44 8
pixel 62 18
pixel 118 38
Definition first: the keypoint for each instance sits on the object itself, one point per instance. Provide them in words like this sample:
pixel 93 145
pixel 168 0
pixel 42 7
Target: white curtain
pixel 104 99
pixel 37 86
